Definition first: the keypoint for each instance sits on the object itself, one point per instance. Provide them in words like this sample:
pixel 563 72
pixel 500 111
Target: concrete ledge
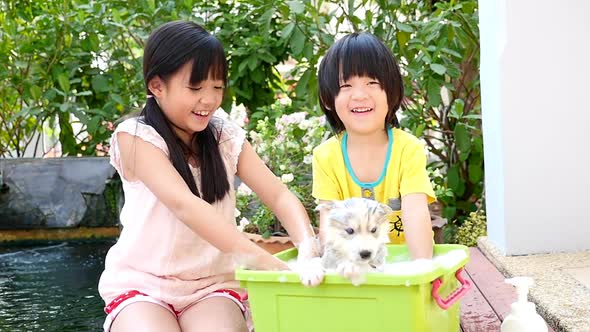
pixel 561 299
pixel 52 234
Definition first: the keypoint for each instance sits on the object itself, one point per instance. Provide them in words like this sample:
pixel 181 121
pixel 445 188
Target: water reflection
pixel 52 287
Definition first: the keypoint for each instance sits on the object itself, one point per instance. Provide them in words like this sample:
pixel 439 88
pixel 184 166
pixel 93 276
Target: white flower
pixel 260 148
pixel 242 223
pixel 282 167
pixel 244 190
pixel 284 100
pixel 292 145
pixel 238 115
pixel 305 124
pixel 286 178
pixel 237 213
pixel 307 159
pixel 255 137
pixel 289 119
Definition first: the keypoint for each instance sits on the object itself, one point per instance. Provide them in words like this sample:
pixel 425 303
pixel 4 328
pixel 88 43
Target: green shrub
pixel 286 146
pixel 75 66
pixel 472 228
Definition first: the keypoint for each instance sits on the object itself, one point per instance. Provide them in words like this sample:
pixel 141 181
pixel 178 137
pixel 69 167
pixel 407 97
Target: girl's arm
pixel 417 225
pixel 288 209
pixel 274 194
pixel 144 162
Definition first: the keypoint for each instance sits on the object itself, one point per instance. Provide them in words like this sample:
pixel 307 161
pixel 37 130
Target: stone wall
pixel 58 193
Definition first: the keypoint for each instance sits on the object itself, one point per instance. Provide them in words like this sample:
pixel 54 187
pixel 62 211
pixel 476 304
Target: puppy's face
pixel 357 228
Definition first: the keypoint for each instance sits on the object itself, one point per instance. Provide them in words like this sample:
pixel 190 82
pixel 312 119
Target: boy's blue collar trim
pixel 385 165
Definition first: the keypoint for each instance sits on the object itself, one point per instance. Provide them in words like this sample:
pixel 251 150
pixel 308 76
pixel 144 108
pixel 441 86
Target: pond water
pixel 52 287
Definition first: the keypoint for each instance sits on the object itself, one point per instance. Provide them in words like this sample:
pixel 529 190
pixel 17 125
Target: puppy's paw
pixel 311 272
pixel 377 265
pixel 378 268
pixel 352 272
pixel 348 269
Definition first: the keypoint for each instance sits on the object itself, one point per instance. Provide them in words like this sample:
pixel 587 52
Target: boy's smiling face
pixel 361 104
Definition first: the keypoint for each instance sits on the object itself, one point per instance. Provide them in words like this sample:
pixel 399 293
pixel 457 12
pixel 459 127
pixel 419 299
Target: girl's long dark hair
pixel 168 48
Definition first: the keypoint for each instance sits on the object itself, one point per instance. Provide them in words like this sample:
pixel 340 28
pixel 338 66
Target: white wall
pixel 535 74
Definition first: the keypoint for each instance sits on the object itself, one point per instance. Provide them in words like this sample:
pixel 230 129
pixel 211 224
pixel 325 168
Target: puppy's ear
pixel 383 211
pixel 386 210
pixel 326 206
pixel 337 211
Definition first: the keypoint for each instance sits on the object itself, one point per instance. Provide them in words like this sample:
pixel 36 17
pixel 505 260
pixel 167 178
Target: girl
pixel 361 88
pixel 172 268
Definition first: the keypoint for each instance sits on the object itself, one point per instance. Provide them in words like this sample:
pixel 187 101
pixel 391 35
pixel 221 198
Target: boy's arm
pixel 416 193
pixel 417 225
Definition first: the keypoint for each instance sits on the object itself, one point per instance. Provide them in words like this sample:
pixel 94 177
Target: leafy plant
pixel 472 228
pixel 437 44
pixel 443 99
pixel 286 148
pixel 57 71
pixel 250 34
pixel 72 68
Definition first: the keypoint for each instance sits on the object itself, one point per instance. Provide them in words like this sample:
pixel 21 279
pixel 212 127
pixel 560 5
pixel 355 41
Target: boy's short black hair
pixel 359 54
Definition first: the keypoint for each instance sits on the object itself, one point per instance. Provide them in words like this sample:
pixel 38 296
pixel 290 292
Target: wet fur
pixel 367 219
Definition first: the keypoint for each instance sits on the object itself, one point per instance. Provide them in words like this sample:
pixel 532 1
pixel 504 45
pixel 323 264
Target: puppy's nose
pixel 365 254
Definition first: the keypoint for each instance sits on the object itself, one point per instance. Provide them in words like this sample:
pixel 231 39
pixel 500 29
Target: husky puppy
pixel 356 235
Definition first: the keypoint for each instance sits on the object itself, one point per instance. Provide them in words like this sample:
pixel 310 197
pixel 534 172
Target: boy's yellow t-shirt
pixel 404 173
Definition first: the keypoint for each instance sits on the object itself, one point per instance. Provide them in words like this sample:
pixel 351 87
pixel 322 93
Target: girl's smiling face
pixel 188 107
pixel 361 105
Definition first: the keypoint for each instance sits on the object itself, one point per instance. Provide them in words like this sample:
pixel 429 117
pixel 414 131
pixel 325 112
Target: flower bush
pixel 285 144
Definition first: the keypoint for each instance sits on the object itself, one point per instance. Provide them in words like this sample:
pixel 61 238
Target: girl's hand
pixel 269 262
pixel 261 261
pixel 288 209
